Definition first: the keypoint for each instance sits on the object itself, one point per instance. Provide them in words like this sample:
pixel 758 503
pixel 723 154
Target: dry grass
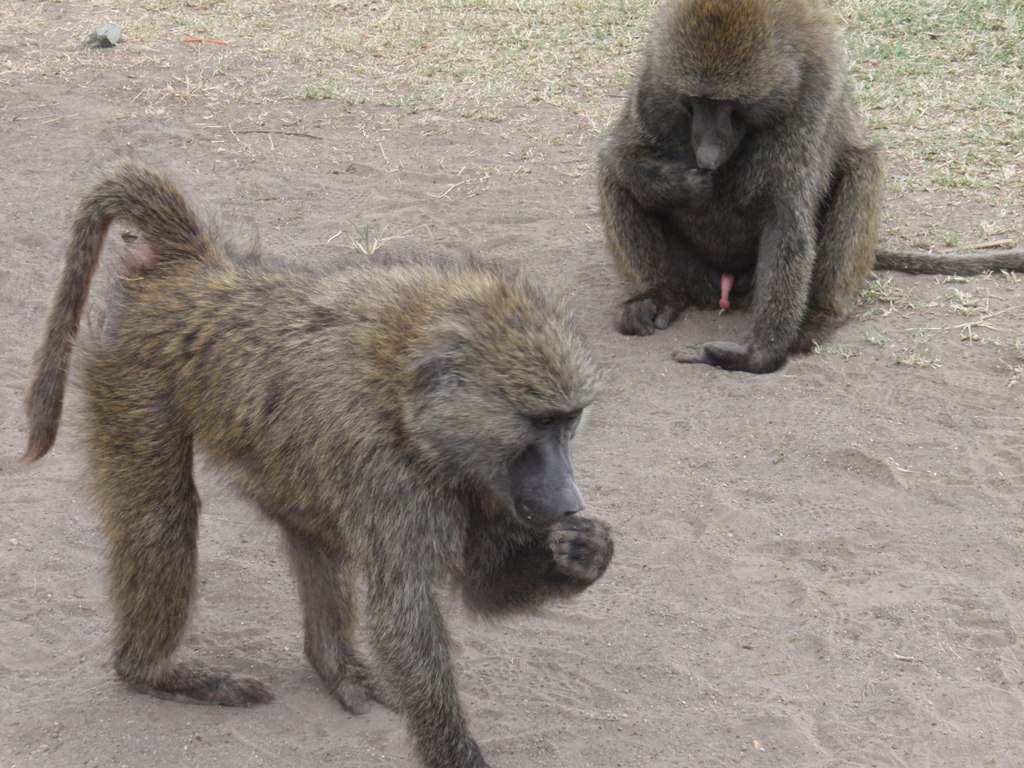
pixel 942 81
pixel 486 59
pixel 884 292
pixel 917 355
pixel 958 308
pixel 844 351
pixel 367 241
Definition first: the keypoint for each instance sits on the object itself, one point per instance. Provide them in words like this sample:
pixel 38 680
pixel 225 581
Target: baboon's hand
pixel 581 547
pixel 732 357
pixel 644 314
pixel 698 183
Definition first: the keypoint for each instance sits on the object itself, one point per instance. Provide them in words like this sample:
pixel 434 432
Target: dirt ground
pixel 816 568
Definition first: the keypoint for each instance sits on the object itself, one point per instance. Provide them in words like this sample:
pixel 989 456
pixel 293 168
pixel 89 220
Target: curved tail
pixel 151 203
pixel 950 264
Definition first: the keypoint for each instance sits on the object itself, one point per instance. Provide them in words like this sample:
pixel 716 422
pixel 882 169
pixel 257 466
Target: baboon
pixel 738 173
pixel 411 422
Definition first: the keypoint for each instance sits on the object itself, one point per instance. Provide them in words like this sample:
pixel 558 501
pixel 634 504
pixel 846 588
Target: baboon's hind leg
pixel 326 588
pixel 847 238
pixel 641 255
pixel 143 465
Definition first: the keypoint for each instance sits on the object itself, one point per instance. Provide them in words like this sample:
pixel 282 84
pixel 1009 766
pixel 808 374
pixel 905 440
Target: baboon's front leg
pixel 326 587
pixel 411 646
pixel 785 264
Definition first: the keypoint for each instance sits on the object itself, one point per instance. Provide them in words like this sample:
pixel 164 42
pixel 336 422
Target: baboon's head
pixel 717 69
pixel 497 392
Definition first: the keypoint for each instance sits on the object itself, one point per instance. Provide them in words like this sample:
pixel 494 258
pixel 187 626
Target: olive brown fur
pixel 408 422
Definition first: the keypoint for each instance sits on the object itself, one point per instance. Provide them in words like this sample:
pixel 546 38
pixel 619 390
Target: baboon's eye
pixel 555 418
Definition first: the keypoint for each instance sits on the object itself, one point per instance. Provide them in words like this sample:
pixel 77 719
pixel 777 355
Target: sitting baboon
pixel 739 172
pixel 411 422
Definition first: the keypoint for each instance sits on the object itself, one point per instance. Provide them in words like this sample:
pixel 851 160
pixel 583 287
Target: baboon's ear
pixel 437 365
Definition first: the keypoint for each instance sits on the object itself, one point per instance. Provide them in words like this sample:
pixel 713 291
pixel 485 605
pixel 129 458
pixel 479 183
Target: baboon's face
pixel 707 131
pixel 716 129
pixel 504 436
pixel 520 460
pixel 543 488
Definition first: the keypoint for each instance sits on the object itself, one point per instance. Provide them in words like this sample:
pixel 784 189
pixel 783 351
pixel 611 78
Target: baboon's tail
pixel 951 264
pixel 152 204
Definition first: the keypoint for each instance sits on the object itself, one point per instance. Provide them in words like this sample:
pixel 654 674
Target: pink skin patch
pixel 136 257
pixel 727 281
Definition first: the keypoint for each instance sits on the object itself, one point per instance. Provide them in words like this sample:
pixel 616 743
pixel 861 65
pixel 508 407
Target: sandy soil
pixel 817 568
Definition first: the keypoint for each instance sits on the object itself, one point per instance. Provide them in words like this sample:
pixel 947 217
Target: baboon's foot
pixel 644 314
pixel 355 691
pixel 818 328
pixel 355 686
pixel 192 683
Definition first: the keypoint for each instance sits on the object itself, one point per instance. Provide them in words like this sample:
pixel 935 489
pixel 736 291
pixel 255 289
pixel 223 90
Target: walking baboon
pixel 411 422
pixel 738 172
